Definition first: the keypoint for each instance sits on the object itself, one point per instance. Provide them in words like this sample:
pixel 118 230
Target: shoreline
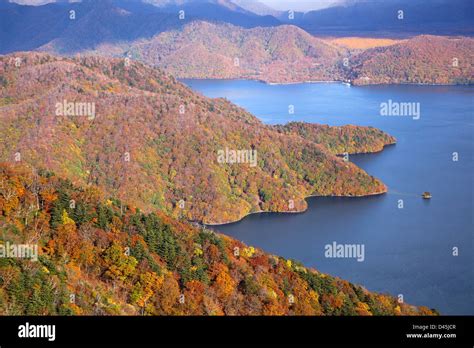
pixel 294 211
pixel 412 84
pixel 368 152
pixel 310 196
pixel 302 82
pixel 351 84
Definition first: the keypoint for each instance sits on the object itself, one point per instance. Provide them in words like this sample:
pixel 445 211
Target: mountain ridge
pixel 282 54
pixel 288 54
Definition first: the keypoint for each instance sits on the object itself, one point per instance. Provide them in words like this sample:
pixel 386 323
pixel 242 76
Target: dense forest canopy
pixel 155 142
pixel 289 54
pixel 105 257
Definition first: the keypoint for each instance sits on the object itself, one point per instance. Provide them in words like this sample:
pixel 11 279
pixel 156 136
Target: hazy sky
pixel 299 5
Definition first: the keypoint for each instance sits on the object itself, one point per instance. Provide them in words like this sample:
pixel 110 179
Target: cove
pixel 409 250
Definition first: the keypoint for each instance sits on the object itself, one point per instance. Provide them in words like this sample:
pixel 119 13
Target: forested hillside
pixel 105 257
pixel 155 142
pixel 208 50
pixel 287 54
pixel 339 140
pixel 423 59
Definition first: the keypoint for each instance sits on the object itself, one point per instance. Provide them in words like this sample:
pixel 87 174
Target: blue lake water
pixel 408 251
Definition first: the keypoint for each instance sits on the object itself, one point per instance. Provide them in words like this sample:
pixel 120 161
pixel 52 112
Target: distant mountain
pixel 352 18
pixel 54 27
pixel 289 54
pixel 207 50
pixel 257 47
pixel 69 28
pixel 25 28
pixel 258 8
pixel 438 17
pixel 423 59
pixel 246 6
pixel 159 145
pixel 219 11
pixel 103 21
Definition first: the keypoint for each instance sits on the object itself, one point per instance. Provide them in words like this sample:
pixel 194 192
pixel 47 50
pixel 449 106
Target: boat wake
pixel 406 194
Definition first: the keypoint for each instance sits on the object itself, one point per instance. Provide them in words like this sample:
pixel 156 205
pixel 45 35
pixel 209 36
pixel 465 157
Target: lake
pixel 408 250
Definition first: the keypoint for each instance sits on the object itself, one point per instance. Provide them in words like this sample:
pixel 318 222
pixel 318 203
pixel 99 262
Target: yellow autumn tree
pixel 143 290
pixel 224 283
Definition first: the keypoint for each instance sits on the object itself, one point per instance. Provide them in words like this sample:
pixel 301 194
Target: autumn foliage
pixel 287 53
pixel 154 142
pixel 424 59
pixel 105 257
